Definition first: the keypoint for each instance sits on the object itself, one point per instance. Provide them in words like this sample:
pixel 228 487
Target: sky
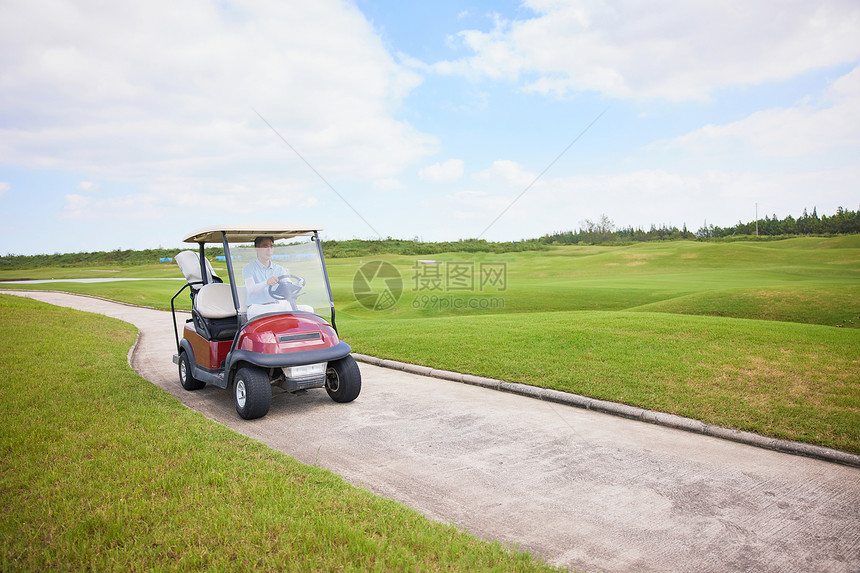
pixel 127 125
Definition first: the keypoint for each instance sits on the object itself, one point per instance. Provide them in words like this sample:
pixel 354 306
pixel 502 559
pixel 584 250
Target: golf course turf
pixel 102 470
pixel 756 336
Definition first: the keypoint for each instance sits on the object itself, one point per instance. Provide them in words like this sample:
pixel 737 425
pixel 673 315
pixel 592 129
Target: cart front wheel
pixel 343 380
pixel 252 393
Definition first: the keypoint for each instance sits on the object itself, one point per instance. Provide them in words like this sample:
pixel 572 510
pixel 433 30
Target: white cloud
pixel 244 198
pixel 128 90
pixel 672 50
pixel 388 184
pixel 77 206
pixel 644 197
pixel 474 206
pixel 136 206
pixel 793 132
pixel 450 170
pixel 129 113
pixel 508 172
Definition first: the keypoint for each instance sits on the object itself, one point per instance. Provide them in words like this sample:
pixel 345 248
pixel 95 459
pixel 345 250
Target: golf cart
pixel 271 324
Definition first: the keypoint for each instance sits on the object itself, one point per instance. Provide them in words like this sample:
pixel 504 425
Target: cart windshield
pixel 281 276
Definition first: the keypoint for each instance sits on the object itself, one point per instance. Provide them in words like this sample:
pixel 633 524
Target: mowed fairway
pixel 101 470
pixel 741 334
pixel 758 336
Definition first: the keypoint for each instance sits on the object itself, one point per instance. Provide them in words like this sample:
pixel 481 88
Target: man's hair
pixel 259 240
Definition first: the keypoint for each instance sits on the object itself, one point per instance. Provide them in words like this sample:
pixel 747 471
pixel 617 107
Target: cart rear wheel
pixel 343 380
pixel 186 378
pixel 252 393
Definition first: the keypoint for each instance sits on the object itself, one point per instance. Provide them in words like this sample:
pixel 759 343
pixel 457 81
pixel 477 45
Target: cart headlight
pixel 305 370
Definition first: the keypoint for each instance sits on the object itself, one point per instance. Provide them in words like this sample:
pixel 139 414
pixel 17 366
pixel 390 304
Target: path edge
pixel 624 411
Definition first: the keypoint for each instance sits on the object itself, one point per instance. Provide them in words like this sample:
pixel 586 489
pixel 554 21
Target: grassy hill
pixel 103 471
pixel 754 336
pixel 759 336
pixel 809 280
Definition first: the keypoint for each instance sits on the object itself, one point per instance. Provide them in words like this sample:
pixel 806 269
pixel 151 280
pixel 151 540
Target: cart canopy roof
pixel 246 233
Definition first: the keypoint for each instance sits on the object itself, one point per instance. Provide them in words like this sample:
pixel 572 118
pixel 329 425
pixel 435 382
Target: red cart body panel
pixel 209 354
pixel 276 334
pixel 285 333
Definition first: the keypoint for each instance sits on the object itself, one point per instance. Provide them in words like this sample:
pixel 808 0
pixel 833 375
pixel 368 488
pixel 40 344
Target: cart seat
pixel 215 300
pixel 189 264
pixel 214 313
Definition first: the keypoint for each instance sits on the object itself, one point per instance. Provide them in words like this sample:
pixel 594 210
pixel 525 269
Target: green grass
pixel 810 280
pixel 739 334
pixel 101 470
pixel 153 293
pixel 793 381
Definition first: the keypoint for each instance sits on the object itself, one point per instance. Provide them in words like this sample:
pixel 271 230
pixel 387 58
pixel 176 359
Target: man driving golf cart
pixel 261 273
pixel 250 332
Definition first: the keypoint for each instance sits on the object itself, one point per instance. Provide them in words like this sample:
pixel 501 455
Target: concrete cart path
pixel 575 487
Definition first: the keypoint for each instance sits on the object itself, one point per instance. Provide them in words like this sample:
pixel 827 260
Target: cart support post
pixel 316 238
pixel 202 257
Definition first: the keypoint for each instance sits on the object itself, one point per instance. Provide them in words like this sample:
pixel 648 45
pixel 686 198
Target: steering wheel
pixel 288 287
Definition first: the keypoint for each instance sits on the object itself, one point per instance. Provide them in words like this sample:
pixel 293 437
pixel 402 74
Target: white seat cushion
pixel 215 300
pixel 256 310
pixel 189 264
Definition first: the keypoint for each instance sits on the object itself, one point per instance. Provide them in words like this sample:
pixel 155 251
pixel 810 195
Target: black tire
pixel 186 378
pixel 252 392
pixel 343 380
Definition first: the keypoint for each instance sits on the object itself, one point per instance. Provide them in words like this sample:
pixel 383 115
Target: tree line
pixel 601 231
pixel 604 231
pixel 117 257
pixel 331 249
pixel 842 223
